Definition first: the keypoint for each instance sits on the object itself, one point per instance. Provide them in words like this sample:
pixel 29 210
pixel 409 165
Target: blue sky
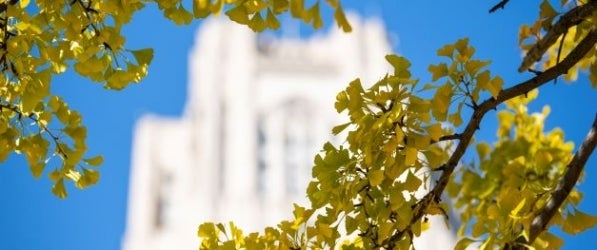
pixel 32 218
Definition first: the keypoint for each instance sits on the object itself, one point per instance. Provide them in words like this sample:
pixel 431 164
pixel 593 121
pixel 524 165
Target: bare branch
pixel 451 137
pixel 571 18
pixel 465 137
pixel 500 5
pixel 559 195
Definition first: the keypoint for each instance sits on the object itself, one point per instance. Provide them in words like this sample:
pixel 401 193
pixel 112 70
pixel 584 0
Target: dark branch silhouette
pixel 498 6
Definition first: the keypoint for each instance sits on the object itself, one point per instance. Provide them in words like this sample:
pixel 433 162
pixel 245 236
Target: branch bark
pixel 499 5
pixel 571 18
pixel 559 195
pixel 434 195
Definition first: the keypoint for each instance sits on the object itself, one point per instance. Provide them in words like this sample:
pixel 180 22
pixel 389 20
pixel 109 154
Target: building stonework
pixel 258 110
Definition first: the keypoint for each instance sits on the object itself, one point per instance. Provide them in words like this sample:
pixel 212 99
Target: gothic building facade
pixel 259 108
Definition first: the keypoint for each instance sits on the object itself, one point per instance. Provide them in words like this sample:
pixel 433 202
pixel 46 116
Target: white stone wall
pixel 258 110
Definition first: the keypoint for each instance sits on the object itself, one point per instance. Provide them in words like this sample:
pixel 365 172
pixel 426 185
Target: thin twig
pixel 41 125
pixel 500 5
pixel 559 195
pixel 571 18
pixel 466 136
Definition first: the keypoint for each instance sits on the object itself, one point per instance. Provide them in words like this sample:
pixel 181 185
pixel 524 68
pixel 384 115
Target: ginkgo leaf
pixel 376 177
pixel 438 71
pixel 400 65
pixel 59 190
pixel 350 224
pixel 95 161
pixel 280 6
pixel 37 169
pixel 238 14
pixel 435 131
pixel 495 86
pixel 412 183
pixel 340 18
pixel 473 66
pixel 546 10
pixel 177 14
pixel 447 51
pixel 483 149
pixel 201 8
pixel 143 56
pixel 271 21
pixel 338 129
pixel 410 156
pixel 257 23
pixel 578 222
pixel 441 102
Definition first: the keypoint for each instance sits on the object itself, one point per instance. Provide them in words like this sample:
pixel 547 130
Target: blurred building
pixel 259 109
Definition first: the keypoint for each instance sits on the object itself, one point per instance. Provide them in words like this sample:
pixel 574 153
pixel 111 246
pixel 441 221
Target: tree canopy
pixel 402 137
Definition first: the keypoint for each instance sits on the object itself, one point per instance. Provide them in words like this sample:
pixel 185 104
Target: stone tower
pixel 259 108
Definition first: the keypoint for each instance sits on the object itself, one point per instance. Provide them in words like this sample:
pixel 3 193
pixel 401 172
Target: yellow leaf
pixel 461 45
pixel 441 102
pixel 24 3
pixel 376 177
pixel 447 51
pixel 238 14
pixel 254 6
pixel 257 23
pixel 59 190
pixel 280 6
pixel 516 210
pixel 340 18
pixel 546 10
pixel 547 240
pixel 177 14
pixel 578 222
pixel 435 131
pixel 89 177
pixel 385 228
pixel 483 150
pixel 410 156
pixel 400 64
pixel 338 129
pixel 351 224
pixel 438 71
pixel 271 21
pixel 206 230
pixel 412 183
pixel 325 230
pixel 496 86
pixel 201 8
pixel 95 161
pixel 493 212
pixel 143 56
pixel 37 169
pixel 473 66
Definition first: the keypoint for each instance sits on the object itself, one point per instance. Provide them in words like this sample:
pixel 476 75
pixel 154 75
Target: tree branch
pixel 465 137
pixel 41 125
pixel 500 5
pixel 571 18
pixel 559 195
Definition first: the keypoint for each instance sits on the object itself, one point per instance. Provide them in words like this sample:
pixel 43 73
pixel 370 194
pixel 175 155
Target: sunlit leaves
pixel 42 39
pixel 499 195
pixel 578 221
pixel 340 18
